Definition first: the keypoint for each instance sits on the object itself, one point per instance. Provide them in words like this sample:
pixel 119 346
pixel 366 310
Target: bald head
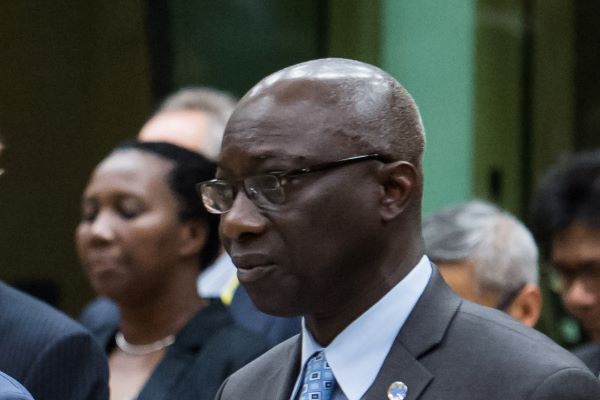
pixel 193 130
pixel 347 140
pixel 193 118
pixel 378 113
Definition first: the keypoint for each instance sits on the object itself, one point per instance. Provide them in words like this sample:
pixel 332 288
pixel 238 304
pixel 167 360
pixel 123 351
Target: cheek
pixel 152 244
pixel 81 239
pixel 319 240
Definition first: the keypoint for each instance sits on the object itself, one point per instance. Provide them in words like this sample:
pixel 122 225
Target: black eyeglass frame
pixel 280 177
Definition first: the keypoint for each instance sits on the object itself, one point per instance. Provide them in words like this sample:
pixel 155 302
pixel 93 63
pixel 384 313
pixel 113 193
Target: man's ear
pixel 399 181
pixel 527 306
pixel 194 234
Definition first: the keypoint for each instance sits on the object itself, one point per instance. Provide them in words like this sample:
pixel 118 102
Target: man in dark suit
pixel 566 221
pixel 10 389
pixel 47 352
pixel 50 354
pixel 319 186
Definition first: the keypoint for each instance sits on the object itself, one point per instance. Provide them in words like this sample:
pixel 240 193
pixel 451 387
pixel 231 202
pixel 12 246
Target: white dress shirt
pixel 357 353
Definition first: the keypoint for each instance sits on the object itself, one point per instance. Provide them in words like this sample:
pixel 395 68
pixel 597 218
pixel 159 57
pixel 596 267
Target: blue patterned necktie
pixel 319 381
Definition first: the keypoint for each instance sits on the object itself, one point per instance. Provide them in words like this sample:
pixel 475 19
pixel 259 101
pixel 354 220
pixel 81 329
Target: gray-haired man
pixel 487 256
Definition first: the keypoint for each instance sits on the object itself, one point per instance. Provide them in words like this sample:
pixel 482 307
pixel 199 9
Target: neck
pixel 161 315
pixel 358 298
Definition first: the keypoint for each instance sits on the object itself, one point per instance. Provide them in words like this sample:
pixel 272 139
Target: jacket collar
pixel 424 330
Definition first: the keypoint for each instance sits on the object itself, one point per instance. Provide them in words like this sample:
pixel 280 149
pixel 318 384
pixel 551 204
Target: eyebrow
pixel 579 265
pixel 268 156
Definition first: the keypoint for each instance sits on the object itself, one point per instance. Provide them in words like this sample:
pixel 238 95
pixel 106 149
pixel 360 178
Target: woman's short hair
pixel 189 168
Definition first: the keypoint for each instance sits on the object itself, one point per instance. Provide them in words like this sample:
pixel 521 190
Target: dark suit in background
pixel 50 354
pixel 448 348
pixel 206 351
pixel 274 329
pixel 102 315
pixel 10 389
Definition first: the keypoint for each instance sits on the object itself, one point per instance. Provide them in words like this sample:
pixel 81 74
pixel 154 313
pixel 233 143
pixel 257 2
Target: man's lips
pixel 252 267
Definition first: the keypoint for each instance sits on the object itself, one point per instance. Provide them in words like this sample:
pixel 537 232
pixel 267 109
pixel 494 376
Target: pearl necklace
pixel 142 349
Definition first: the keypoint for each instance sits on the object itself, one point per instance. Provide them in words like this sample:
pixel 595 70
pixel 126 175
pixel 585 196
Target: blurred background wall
pixel 505 87
pixel 74 80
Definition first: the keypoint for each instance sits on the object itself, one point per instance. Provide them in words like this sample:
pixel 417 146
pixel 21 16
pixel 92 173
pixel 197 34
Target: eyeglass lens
pixel 263 190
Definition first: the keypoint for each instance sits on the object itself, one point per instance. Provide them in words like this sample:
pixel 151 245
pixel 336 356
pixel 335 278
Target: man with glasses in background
pixel 319 189
pixel 487 256
pixel 566 220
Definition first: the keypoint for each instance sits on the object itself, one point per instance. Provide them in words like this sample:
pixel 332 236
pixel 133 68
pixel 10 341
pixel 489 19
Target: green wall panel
pixel 428 46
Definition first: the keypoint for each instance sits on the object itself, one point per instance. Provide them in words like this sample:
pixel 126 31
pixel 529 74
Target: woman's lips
pixel 102 265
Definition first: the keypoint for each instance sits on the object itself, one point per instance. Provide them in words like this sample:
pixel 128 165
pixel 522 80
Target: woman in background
pixel 143 238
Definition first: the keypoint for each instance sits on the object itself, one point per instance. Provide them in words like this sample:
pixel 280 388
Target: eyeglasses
pixel 266 190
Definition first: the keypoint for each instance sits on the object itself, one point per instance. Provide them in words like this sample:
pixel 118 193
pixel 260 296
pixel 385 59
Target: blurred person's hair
pixel 189 168
pixel 568 193
pixel 216 105
pixel 500 246
pixel 212 101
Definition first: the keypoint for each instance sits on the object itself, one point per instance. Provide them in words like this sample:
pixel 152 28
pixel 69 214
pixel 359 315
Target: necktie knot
pixel 319 382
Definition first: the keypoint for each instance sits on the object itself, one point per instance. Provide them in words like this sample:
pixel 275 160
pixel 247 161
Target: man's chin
pixel 274 306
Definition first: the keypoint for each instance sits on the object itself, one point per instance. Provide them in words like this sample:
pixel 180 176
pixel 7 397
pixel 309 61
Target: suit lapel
pixel 172 369
pixel 280 383
pixel 424 329
pixel 401 366
pixel 163 380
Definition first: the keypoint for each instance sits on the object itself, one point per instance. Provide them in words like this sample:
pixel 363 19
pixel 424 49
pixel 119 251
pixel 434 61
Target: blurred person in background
pixel 486 256
pixel 195 118
pixel 565 217
pixel 46 351
pixel 10 389
pixel 143 238
pixel 192 117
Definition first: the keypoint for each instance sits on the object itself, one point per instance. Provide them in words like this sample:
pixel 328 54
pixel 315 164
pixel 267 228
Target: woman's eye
pixel 130 208
pixel 88 213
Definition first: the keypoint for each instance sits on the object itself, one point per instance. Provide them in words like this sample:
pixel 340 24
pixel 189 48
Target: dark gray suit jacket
pixel 103 315
pixel 54 357
pixel 448 349
pixel 589 353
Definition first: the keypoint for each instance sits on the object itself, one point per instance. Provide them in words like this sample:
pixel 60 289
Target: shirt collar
pixel 358 352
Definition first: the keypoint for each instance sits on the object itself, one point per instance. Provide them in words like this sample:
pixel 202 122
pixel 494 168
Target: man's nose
pixel 244 219
pixel 578 294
